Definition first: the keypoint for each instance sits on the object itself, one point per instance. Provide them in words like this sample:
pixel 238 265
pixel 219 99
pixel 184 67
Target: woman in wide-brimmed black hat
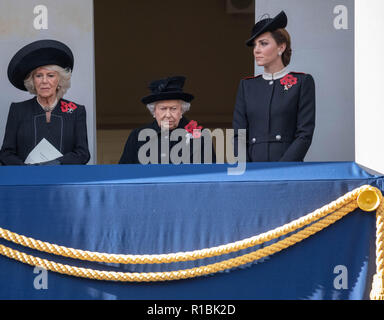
pixel 277 107
pixel 167 104
pixel 44 68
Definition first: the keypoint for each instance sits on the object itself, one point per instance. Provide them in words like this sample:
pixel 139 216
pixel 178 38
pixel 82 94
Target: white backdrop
pixel 322 33
pixel 69 21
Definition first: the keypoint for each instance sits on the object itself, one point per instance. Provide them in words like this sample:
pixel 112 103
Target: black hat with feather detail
pixel 170 88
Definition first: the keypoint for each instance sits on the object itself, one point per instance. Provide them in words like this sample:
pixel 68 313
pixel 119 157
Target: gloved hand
pixel 49 163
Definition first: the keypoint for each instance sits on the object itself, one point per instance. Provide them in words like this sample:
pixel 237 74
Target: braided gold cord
pixel 338 205
pixel 377 292
pixel 179 274
pixel 314 222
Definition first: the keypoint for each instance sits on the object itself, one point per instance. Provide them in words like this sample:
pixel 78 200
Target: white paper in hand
pixel 44 151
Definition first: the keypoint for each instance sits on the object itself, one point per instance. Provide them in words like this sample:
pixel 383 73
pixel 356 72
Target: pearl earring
pixel 280 53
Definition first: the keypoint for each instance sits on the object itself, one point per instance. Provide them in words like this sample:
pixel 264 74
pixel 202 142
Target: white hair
pixel 64 80
pixel 184 106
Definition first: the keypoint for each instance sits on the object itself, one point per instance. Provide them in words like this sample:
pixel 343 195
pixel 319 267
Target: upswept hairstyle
pixel 282 36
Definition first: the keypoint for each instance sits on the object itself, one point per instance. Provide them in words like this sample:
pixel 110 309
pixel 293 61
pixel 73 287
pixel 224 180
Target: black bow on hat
pixel 268 24
pixel 37 54
pixel 167 89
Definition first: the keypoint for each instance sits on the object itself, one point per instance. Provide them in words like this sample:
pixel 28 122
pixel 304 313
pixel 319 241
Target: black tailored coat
pixel 280 120
pixel 131 149
pixel 27 126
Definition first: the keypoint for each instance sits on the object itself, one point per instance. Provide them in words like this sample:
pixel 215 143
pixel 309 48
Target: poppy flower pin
pixel 68 107
pixel 193 130
pixel 288 81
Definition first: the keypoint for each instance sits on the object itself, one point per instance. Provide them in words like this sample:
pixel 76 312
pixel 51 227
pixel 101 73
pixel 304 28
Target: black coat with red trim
pixel 27 126
pixel 279 116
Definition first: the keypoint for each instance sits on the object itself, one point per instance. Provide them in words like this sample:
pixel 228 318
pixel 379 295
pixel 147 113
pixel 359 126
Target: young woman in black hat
pixel 44 69
pixel 277 108
pixel 167 104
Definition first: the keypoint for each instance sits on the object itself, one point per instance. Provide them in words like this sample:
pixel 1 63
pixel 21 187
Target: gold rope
pixel 377 292
pixel 339 209
pixel 335 206
pixel 180 274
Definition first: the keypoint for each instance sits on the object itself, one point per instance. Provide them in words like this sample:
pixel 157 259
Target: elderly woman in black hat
pixel 167 103
pixel 44 69
pixel 277 107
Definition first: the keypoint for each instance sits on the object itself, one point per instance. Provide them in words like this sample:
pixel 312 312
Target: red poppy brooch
pixel 193 130
pixel 288 81
pixel 68 107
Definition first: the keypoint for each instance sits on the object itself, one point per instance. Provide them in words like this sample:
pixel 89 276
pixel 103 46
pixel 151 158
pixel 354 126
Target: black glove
pixel 49 163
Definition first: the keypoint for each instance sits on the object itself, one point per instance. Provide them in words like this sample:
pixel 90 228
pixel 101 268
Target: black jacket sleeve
pixel 130 152
pixel 240 121
pixel 8 153
pixel 306 113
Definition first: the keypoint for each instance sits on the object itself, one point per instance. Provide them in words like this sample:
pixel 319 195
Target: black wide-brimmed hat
pixel 167 89
pixel 268 24
pixel 37 54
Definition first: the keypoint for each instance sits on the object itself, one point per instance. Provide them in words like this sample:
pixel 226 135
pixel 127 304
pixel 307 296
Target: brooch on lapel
pixel 288 81
pixel 68 107
pixel 193 130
